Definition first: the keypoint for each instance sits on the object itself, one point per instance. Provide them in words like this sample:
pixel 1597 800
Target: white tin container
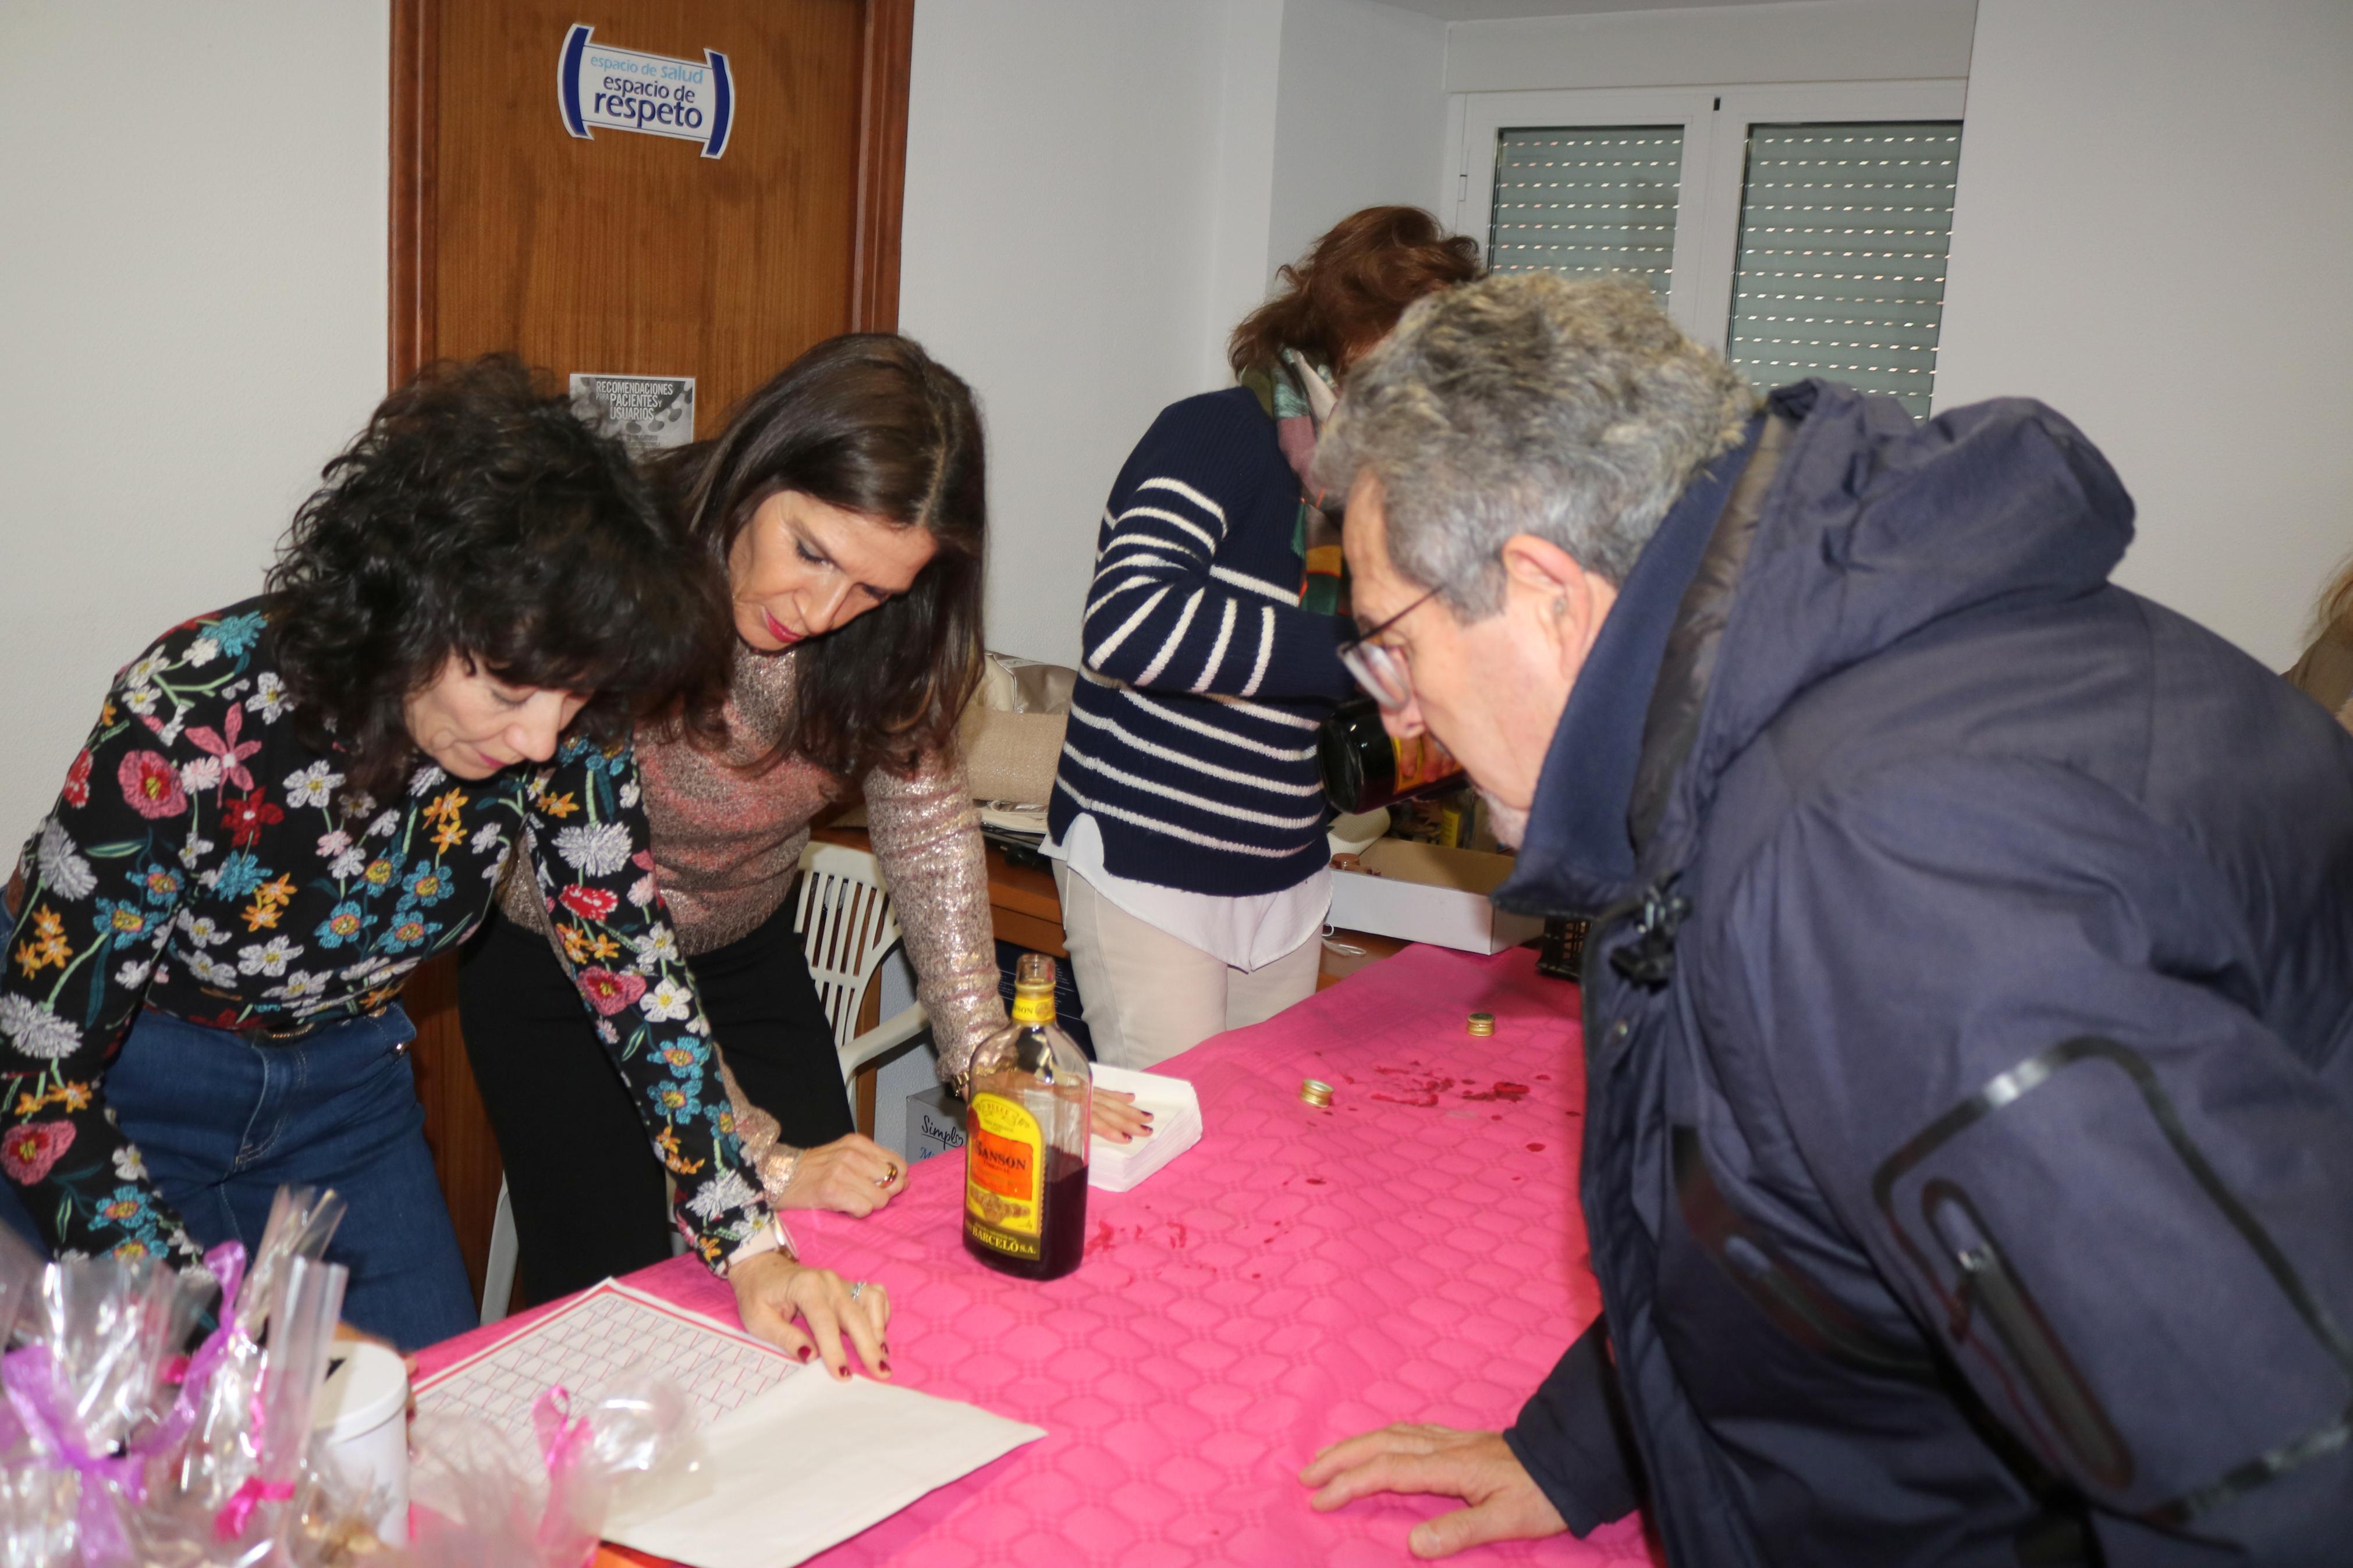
pixel 361 1422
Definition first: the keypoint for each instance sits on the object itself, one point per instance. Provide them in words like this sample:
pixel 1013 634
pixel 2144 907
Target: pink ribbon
pixel 563 1439
pixel 230 1521
pixel 37 1393
pixel 226 1262
pixel 562 1435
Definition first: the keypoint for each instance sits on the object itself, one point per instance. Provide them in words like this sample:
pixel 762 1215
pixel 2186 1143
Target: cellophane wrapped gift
pixel 481 1504
pixel 116 1449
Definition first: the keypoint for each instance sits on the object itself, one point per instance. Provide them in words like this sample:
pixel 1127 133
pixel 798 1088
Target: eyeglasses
pixel 1383 671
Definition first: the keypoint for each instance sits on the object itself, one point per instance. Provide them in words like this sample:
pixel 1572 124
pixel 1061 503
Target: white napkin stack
pixel 1176 1127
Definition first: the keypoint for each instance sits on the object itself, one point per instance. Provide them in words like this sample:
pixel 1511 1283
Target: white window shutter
pixel 1841 267
pixel 1587 202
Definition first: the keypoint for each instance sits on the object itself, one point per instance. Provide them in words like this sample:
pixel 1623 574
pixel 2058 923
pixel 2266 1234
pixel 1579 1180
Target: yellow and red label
pixel 1004 1172
pixel 1421 759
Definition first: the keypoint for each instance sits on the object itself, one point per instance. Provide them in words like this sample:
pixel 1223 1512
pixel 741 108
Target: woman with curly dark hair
pixel 845 502
pixel 1188 815
pixel 288 803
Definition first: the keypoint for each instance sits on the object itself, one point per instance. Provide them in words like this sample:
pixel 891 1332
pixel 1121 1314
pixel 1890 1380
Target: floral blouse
pixel 205 861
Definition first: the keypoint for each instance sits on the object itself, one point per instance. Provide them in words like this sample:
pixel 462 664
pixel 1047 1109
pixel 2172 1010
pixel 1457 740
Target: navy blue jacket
pixel 1968 1162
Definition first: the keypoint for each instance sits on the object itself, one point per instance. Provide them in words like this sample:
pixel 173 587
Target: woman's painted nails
pixel 806 1353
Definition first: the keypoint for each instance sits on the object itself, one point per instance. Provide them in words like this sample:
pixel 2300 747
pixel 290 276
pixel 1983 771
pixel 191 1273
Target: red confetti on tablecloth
pixel 1414 1253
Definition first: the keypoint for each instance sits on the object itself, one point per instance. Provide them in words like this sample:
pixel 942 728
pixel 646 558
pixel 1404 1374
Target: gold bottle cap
pixel 1482 1023
pixel 1315 1091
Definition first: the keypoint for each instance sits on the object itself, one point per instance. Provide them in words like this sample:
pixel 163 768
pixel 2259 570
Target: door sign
pixel 643 413
pixel 623 89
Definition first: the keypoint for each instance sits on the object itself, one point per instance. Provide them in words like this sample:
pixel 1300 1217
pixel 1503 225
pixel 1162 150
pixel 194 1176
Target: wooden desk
pixel 1022 904
pixel 1027 912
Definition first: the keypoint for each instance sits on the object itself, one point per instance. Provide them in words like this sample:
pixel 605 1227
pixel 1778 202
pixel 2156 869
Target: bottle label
pixel 1004 1175
pixel 1033 1007
pixel 1421 759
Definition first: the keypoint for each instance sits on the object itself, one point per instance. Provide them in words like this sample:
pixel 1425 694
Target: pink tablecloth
pixel 1414 1253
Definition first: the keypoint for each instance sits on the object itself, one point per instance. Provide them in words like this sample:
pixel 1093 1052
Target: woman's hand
pixel 1118 1117
pixel 851 1175
pixel 772 1290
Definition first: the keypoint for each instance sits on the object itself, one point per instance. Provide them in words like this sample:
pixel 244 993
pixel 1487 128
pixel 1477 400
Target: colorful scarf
pixel 1299 397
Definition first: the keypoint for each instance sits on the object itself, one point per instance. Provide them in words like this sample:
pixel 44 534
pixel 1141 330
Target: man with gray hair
pixel 1968 1007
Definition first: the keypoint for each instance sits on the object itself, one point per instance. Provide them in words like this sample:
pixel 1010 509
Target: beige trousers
pixel 1149 995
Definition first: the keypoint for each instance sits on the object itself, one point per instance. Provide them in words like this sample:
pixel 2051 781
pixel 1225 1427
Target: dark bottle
pixel 1031 1111
pixel 1364 766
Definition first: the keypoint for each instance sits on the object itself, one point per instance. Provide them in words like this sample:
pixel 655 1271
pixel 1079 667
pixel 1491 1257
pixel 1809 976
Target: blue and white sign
pixel 624 90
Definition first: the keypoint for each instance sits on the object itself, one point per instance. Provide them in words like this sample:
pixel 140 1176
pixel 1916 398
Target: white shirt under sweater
pixel 1246 932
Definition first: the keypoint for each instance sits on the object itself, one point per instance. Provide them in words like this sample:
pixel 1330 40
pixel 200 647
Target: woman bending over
pixel 289 803
pixel 845 503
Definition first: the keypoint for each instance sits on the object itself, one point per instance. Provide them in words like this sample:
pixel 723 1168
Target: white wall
pixel 1798 40
pixel 1062 213
pixel 1361 120
pixel 1097 190
pixel 2150 233
pixel 192 291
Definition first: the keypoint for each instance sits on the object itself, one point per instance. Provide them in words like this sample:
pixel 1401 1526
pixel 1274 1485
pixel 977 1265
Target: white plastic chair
pixel 846 929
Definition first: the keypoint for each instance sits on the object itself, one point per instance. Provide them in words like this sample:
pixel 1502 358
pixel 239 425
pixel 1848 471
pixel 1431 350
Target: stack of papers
pixel 1176 1127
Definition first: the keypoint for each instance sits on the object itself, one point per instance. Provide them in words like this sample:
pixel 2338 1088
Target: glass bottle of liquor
pixel 1365 767
pixel 1030 1111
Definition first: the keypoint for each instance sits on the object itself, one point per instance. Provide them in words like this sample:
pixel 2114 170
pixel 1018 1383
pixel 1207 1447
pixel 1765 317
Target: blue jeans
pixel 222 1121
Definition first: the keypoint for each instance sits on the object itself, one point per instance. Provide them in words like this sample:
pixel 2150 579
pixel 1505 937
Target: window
pixel 1801 230
pixel 1587 202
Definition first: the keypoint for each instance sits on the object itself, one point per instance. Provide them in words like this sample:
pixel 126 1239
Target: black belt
pixel 266 1034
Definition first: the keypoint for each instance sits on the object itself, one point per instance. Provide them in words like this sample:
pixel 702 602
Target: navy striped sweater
pixel 1192 735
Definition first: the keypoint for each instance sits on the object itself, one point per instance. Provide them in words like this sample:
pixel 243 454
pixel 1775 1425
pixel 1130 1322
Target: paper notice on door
pixel 645 413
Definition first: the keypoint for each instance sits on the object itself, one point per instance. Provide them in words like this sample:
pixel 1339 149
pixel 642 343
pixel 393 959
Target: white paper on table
pixel 593 1338
pixel 805 1466
pixel 1176 1127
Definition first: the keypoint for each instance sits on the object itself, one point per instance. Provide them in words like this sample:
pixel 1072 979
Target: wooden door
pixel 632 254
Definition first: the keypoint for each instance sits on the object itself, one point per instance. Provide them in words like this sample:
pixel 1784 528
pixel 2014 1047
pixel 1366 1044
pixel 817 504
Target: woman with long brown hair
pixel 1189 814
pixel 846 503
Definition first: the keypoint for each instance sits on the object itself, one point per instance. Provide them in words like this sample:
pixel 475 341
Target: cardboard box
pixel 1420 892
pixel 934 1124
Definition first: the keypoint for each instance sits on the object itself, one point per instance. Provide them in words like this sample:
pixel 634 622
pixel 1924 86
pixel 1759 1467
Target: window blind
pixel 1841 269
pixel 1587 202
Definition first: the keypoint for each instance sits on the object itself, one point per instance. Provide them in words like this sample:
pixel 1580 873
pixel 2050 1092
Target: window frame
pixel 1715 121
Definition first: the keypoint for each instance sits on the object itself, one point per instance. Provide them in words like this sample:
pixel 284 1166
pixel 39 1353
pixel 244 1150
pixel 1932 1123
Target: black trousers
pixel 585 1187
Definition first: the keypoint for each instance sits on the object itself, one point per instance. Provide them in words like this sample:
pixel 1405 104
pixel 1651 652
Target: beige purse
pixel 1012 734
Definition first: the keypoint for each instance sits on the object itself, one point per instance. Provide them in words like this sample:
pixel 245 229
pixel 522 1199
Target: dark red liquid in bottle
pixel 1062 1235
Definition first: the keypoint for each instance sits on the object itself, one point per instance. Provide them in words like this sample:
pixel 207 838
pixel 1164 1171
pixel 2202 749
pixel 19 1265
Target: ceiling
pixel 1495 10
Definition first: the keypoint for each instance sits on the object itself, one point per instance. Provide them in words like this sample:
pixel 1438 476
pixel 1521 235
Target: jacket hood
pixel 1874 528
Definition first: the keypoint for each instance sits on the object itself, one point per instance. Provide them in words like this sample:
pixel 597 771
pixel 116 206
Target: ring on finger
pixel 855 1287
pixel 887 1176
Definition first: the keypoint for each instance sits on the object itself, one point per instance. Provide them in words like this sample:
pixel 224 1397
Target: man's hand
pixel 771 1290
pixel 1477 1467
pixel 851 1175
pixel 1117 1118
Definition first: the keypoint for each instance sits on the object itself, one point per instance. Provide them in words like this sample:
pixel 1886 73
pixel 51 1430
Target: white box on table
pixel 1423 892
